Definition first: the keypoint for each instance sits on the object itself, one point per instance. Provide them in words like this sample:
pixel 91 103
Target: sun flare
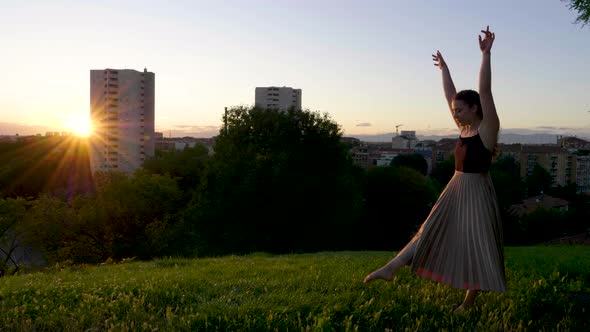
pixel 78 125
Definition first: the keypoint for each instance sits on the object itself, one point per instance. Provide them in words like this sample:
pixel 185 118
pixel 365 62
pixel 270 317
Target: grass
pixel 548 289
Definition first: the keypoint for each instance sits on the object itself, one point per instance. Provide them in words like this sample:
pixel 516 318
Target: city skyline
pixel 366 64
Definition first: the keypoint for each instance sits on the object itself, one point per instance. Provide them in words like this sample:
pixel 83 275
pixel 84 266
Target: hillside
pixel 548 288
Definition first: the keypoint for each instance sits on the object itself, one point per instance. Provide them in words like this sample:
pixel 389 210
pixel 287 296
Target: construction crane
pixel 396 129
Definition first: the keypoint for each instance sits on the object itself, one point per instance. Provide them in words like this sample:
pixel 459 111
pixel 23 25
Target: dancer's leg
pixel 468 302
pixel 404 257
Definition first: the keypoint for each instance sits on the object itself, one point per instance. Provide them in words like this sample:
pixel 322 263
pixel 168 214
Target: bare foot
pixel 463 308
pixel 385 273
pixel 468 302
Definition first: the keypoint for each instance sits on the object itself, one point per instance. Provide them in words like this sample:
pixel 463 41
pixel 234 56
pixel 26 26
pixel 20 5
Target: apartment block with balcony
pixel 554 159
pixel 278 98
pixel 122 114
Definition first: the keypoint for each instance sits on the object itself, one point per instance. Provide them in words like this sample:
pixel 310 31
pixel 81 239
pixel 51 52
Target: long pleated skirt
pixel 460 243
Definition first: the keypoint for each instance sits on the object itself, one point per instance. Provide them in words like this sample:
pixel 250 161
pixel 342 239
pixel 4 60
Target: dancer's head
pixel 467 107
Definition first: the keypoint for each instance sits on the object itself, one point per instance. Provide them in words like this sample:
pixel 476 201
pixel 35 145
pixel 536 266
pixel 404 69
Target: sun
pixel 78 125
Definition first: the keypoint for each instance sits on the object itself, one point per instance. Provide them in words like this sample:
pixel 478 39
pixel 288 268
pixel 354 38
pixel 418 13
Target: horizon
pixel 541 135
pixel 351 60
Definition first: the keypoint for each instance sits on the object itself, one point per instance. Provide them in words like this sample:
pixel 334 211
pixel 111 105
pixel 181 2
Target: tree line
pixel 278 182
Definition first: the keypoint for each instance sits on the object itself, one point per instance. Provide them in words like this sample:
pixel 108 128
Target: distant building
pixel 122 114
pixel 386 158
pixel 542 201
pixel 583 174
pixel 581 162
pixel 406 140
pixel 360 156
pixel 351 141
pixel 443 150
pixel 556 160
pixel 369 155
pixel 278 98
pixel 510 150
pixel 181 143
pixel 573 143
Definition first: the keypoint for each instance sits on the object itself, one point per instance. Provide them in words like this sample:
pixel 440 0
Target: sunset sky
pixel 366 63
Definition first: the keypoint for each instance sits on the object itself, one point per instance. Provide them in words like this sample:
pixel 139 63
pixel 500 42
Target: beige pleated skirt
pixel 460 243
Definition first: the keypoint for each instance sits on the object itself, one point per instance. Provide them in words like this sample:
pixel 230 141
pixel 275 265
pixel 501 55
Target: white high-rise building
pixel 122 114
pixel 278 98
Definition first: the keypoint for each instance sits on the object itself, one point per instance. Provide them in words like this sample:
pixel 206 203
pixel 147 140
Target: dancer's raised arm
pixel 490 124
pixel 448 86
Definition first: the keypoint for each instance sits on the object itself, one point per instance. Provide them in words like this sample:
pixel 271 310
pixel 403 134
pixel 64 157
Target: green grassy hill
pixel 548 289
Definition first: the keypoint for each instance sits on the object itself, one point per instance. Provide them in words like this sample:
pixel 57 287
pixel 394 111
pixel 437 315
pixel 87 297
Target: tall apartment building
pixel 278 98
pixel 122 114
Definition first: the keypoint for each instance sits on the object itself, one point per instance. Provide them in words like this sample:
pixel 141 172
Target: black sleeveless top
pixel 471 156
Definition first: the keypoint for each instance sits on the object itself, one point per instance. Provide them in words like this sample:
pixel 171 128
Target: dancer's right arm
pixel 448 86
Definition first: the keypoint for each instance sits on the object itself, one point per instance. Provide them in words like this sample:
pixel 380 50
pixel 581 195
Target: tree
pixel 542 225
pixel 583 9
pixel 36 165
pixel 397 200
pixel 12 212
pixel 279 182
pixel 138 210
pixel 505 173
pixel 443 172
pixel 125 217
pixel 415 161
pixel 539 181
pixel 187 165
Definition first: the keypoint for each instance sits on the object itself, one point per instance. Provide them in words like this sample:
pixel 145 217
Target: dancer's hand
pixel 486 44
pixel 438 60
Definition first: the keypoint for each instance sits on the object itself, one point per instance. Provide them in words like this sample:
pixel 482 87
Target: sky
pixel 367 63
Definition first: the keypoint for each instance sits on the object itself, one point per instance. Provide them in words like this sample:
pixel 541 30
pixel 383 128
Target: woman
pixel 460 243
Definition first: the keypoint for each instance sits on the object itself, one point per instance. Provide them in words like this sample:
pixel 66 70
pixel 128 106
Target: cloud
pixel 364 124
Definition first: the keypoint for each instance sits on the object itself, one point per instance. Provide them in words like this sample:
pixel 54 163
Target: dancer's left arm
pixel 490 124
